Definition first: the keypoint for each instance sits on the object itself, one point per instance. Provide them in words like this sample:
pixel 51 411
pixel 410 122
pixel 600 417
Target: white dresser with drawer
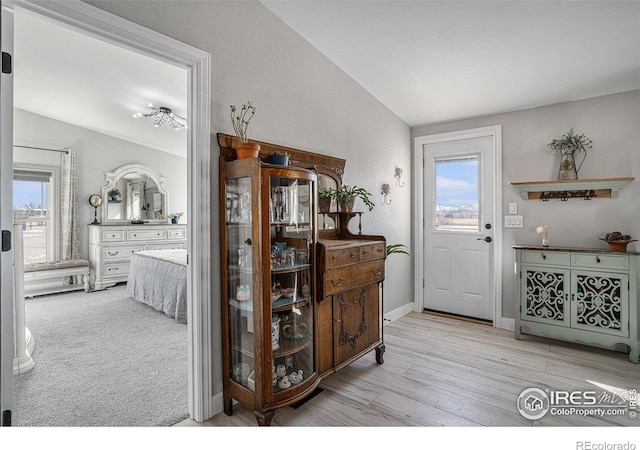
pixel 580 295
pixel 111 246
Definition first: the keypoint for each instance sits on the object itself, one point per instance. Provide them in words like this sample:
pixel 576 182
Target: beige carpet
pixel 102 359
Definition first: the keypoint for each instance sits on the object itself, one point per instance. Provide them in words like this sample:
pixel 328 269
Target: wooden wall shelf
pixel 566 189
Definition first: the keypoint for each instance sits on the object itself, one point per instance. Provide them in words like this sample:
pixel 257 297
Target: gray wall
pixel 303 101
pixel 612 123
pixel 96 153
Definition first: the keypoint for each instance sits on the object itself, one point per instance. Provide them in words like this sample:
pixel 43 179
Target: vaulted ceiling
pixel 427 61
pixel 436 61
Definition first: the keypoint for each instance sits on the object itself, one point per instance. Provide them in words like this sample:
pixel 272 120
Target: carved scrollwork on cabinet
pixel 583 295
pixel 351 307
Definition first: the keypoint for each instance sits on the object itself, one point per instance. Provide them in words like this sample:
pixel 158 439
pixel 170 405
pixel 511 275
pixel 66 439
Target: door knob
pixel 486 239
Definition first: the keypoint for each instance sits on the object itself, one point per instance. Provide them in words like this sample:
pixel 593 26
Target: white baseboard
pixel 397 313
pixel 217 404
pixel 507 323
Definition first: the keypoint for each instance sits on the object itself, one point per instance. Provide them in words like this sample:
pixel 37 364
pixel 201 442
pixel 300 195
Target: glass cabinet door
pixel 240 287
pixel 291 231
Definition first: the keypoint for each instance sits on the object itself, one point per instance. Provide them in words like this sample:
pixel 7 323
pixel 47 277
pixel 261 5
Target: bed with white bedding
pixel 158 278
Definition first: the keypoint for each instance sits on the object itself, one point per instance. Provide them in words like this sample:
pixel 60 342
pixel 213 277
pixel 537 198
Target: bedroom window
pixel 34 195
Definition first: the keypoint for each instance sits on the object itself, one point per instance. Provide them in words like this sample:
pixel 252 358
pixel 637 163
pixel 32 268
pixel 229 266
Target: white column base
pixel 29 340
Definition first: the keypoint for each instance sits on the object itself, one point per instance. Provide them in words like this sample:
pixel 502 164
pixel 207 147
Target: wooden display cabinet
pixel 268 237
pixel 335 314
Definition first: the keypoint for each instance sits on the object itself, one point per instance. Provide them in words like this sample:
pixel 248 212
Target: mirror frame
pixel 112 179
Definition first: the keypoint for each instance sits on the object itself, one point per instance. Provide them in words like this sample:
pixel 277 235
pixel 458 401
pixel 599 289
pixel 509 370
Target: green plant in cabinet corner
pixel 346 194
pixel 325 192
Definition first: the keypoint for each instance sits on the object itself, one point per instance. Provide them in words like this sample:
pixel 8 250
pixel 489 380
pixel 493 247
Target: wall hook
pixel 398 175
pixel 386 191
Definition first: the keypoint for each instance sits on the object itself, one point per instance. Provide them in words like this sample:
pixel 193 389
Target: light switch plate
pixel 513 208
pixel 513 222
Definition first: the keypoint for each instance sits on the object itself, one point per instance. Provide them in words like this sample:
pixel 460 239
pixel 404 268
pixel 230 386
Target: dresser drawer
pixel 542 257
pixel 146 235
pixel 116 253
pixel 599 261
pixel 170 246
pixel 341 256
pixel 179 233
pixel 112 235
pixel 344 278
pixel 374 251
pixel 115 269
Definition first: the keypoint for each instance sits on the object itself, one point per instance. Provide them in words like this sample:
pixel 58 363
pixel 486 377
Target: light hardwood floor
pixel 446 372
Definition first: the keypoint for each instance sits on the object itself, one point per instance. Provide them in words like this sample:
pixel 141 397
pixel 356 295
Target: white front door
pixel 459 194
pixel 6 218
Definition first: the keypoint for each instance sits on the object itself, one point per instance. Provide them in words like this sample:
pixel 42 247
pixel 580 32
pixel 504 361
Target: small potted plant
pixel 567 145
pixel 240 121
pixel 175 217
pixel 346 195
pixel 325 195
pixel 279 159
pixel 114 194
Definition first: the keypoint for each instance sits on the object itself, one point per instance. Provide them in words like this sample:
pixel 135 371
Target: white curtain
pixel 69 209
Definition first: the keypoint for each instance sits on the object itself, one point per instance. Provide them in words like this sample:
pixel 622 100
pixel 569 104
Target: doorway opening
pixel 95 22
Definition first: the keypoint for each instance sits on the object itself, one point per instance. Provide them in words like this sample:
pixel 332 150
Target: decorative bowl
pixel 289 292
pixel 618 246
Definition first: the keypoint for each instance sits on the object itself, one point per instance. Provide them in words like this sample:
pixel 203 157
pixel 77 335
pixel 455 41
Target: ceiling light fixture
pixel 163 117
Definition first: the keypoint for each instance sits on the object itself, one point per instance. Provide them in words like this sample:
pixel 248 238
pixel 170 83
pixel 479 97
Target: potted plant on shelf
pixel 175 217
pixel 346 196
pixel 114 194
pixel 279 159
pixel 240 121
pixel 567 145
pixel 325 195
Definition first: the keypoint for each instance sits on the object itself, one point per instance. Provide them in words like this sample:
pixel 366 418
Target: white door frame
pixel 495 289
pixel 103 25
pixel 6 223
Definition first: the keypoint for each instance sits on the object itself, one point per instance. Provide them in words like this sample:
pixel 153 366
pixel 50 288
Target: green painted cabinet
pixel 580 295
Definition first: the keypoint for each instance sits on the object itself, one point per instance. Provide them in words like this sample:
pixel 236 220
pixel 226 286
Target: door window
pixel 457 194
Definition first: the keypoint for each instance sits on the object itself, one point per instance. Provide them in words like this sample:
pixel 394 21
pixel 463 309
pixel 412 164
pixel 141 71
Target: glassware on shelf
pixel 275 332
pixel 279 198
pixel 243 292
pixel 290 257
pixel 245 207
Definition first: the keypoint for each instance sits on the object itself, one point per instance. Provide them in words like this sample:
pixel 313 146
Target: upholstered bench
pixel 49 277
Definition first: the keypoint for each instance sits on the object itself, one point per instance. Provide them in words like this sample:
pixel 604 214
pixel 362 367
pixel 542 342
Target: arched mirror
pixel 134 194
pixel 327 179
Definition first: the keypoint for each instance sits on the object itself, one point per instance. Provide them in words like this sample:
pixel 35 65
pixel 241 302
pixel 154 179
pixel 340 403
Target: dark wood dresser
pixel 350 305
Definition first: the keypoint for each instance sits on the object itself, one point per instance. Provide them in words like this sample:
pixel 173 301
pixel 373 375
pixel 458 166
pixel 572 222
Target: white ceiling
pixel 427 61
pixel 65 75
pixel 435 61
